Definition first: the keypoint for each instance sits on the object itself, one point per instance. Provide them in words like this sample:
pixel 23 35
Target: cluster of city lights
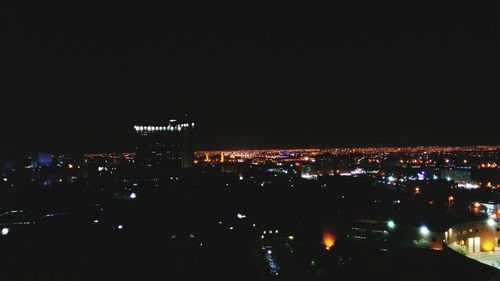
pixel 309 153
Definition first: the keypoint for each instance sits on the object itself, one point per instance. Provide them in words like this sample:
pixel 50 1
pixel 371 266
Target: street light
pixel 391 224
pixel 424 230
pixel 5 231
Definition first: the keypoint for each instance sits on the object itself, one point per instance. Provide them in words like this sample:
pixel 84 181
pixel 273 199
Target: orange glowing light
pixel 451 198
pixel 328 240
pixel 70 166
pixel 477 204
pixel 488 245
pixel 417 190
pixel 196 161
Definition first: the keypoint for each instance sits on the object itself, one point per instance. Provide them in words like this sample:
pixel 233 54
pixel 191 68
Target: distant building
pixel 44 159
pixel 490 207
pixel 308 172
pixel 379 232
pixel 40 160
pixel 457 175
pixel 167 146
pixel 368 231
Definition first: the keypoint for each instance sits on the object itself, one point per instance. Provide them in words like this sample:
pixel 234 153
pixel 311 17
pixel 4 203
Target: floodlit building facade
pixel 476 236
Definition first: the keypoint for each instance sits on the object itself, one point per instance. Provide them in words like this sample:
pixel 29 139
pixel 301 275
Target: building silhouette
pixel 167 146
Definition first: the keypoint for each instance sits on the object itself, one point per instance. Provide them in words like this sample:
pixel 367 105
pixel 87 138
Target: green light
pixel 313 263
pixel 391 224
pixel 291 237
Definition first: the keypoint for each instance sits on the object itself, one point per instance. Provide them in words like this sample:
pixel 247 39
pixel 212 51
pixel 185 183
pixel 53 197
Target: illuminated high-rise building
pixel 167 146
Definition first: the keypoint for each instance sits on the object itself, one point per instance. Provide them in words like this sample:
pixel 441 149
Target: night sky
pixel 79 79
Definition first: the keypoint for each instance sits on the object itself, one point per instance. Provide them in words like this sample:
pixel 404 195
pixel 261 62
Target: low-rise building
pixel 475 236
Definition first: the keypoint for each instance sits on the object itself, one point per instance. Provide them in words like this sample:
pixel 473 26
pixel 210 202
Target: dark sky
pixel 78 79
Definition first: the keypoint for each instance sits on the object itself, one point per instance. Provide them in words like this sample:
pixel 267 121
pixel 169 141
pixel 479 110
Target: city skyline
pixel 121 139
pixel 355 142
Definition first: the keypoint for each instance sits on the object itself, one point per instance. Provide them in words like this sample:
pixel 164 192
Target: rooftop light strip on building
pixel 163 128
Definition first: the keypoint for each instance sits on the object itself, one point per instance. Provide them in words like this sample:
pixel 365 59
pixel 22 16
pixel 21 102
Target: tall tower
pixel 167 146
